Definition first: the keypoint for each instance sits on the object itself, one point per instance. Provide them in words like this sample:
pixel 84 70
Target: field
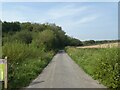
pixel 108 45
pixel 102 64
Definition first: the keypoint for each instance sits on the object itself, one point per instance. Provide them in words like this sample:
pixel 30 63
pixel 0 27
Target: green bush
pixel 23 36
pixel 16 51
pixel 24 60
pixel 101 64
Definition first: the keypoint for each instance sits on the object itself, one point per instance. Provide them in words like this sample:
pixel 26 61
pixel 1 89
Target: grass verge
pixel 102 64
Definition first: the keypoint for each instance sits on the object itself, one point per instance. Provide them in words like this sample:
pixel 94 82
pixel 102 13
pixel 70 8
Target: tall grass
pixel 25 62
pixel 101 64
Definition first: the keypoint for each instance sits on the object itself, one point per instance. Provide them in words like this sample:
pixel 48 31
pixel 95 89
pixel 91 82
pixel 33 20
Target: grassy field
pixel 101 63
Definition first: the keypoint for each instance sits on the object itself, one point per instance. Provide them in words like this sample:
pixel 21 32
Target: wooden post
pixel 5 73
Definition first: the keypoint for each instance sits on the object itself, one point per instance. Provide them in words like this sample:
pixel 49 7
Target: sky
pixel 59 0
pixel 82 20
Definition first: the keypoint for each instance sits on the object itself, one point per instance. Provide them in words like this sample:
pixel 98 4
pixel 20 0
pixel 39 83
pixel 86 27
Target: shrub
pixel 24 61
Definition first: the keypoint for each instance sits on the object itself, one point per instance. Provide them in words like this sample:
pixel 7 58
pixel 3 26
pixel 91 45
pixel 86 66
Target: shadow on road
pixel 61 51
pixel 36 82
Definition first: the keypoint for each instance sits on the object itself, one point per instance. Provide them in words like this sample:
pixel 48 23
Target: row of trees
pixel 93 42
pixel 50 35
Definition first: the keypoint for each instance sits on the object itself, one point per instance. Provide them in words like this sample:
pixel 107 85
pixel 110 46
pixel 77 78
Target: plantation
pixel 102 64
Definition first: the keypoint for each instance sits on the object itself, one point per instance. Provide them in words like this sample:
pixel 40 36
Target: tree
pixel 10 27
pixel 26 26
pixel 23 36
pixel 74 42
pixel 46 38
pixel 38 27
pixel 89 42
pixel 48 34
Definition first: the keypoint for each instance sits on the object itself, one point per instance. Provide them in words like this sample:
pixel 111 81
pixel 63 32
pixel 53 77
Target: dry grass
pixel 108 45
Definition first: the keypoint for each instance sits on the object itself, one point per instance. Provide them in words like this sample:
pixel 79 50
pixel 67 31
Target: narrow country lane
pixel 63 72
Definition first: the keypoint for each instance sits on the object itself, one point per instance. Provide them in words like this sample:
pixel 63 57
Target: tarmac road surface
pixel 63 72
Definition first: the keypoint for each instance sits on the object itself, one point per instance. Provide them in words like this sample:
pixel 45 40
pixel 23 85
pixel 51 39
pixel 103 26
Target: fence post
pixel 6 72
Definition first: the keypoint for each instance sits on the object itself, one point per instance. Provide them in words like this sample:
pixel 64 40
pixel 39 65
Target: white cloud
pixel 70 16
pixel 68 10
pixel 64 14
pixel 87 19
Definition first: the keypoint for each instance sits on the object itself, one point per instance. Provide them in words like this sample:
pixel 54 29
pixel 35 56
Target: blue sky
pixel 83 20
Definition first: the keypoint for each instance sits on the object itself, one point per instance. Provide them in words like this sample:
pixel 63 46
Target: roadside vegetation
pixel 103 64
pixel 29 48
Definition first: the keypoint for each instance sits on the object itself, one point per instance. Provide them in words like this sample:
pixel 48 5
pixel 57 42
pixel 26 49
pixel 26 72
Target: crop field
pixel 108 45
pixel 103 64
